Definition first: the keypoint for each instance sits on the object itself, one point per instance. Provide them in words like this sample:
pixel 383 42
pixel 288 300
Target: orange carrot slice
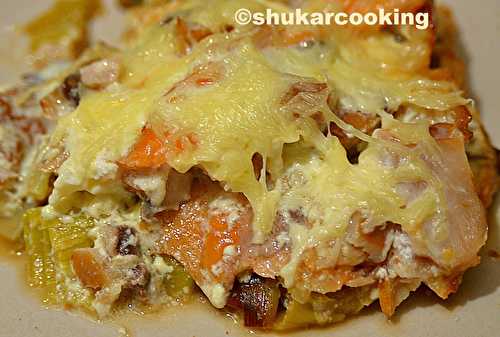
pixel 148 153
pixel 219 237
pixel 88 268
pixel 387 297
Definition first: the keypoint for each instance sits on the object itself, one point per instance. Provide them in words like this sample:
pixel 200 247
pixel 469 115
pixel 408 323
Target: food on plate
pixel 292 174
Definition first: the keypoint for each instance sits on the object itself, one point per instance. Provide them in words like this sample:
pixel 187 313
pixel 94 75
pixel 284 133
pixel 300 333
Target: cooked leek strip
pixel 297 315
pixel 324 309
pixel 64 237
pixel 41 268
pixel 39 183
pixel 49 245
pixel 178 284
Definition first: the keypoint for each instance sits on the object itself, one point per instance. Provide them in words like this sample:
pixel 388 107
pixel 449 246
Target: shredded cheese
pixel 241 113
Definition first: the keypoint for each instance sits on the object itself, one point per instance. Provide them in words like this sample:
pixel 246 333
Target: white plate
pixel 472 312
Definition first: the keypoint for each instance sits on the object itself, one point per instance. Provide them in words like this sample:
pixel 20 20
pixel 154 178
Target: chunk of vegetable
pixel 148 153
pixel 88 268
pixel 41 267
pixel 324 309
pixel 178 283
pixel 39 183
pixel 49 247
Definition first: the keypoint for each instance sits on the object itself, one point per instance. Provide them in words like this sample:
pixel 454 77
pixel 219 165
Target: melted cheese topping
pixel 330 190
pixel 112 119
pixel 241 113
pixel 232 120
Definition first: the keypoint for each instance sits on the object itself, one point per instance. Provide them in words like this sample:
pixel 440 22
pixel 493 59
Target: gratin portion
pixel 293 174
